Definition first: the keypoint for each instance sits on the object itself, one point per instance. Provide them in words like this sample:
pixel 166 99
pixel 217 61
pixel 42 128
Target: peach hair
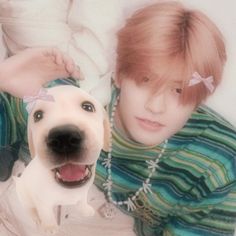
pixel 164 42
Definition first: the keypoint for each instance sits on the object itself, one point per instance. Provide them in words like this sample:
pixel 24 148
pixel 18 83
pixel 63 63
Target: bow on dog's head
pixel 67 133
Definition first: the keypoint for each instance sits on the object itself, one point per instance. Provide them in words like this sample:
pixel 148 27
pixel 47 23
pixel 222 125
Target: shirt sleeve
pixel 213 214
pixel 209 207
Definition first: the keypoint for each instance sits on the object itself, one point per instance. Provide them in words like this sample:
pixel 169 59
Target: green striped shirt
pixel 194 186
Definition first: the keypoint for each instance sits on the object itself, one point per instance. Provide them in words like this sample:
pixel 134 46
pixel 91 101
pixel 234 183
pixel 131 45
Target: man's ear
pixel 107 132
pixel 30 141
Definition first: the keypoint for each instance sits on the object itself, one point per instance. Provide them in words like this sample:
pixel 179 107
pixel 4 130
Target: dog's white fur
pixel 37 188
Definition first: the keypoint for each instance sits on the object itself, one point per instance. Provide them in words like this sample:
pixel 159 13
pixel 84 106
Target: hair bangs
pixel 166 43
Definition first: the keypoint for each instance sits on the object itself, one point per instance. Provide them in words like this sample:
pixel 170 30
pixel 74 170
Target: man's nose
pixel 156 103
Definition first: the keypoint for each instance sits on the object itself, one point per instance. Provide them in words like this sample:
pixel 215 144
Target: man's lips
pixel 149 124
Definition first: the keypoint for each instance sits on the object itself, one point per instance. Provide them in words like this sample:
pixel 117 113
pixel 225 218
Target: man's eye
pixel 88 106
pixel 178 90
pixel 145 79
pixel 38 115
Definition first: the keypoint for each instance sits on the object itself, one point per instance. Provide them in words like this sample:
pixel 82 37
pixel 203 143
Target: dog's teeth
pixel 86 171
pixel 58 175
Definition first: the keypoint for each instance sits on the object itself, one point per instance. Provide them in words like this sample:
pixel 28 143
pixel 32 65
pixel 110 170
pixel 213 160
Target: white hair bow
pixel 196 79
pixel 31 100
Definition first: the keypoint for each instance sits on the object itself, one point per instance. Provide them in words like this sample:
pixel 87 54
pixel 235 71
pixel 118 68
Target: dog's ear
pixel 30 141
pixel 107 132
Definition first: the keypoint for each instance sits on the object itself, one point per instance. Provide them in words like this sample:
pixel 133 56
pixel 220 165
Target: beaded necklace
pixel 108 210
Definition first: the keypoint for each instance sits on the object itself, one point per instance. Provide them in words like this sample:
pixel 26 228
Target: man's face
pixel 149 117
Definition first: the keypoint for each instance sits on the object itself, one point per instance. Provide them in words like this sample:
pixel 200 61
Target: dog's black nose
pixel 65 139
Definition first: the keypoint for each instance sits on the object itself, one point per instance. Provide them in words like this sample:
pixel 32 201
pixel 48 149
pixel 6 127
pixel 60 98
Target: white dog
pixel 67 128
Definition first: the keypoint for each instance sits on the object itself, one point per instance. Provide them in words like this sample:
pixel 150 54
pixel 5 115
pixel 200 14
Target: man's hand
pixel 26 72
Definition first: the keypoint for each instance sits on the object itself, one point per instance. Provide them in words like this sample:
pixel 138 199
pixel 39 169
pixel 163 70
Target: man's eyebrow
pixel 179 82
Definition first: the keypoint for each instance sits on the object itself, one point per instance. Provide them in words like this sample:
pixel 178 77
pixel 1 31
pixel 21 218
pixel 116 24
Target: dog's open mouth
pixel 73 175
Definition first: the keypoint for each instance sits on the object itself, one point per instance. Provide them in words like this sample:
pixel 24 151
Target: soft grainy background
pixel 223 14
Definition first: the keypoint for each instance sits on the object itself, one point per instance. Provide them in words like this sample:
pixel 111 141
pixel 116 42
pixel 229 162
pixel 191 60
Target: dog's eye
pixel 38 115
pixel 88 106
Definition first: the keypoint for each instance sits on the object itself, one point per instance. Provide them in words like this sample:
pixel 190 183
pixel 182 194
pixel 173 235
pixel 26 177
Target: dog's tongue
pixel 70 172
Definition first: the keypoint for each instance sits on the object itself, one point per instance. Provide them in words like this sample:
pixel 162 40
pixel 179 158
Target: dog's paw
pixel 87 211
pixel 50 229
pixel 90 211
pixel 36 220
pixel 34 216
